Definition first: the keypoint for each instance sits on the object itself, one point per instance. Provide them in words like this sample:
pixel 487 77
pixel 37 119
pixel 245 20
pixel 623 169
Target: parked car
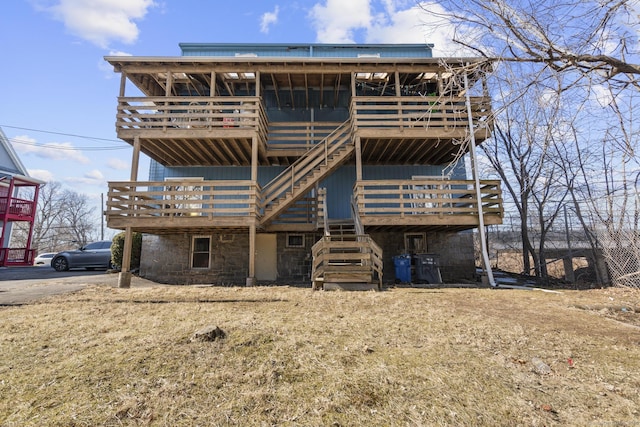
pixel 90 256
pixel 44 259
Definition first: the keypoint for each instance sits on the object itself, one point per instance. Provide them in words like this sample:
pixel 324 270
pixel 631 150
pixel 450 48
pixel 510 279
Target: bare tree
pixel 520 153
pixel 64 218
pixel 585 52
pixel 47 217
pixel 593 38
pixel 78 218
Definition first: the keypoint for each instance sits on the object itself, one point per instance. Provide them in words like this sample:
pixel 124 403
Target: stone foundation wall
pixel 294 264
pixel 166 258
pixel 457 256
pixel 455 251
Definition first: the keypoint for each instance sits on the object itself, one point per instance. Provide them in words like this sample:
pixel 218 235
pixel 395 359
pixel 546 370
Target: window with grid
pixel 200 251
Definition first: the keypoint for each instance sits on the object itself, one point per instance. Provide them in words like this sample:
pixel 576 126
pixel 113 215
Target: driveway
pixel 23 285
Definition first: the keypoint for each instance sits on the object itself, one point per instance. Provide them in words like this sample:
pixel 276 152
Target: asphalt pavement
pixel 24 285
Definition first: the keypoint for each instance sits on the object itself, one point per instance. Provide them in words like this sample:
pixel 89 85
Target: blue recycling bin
pixel 402 264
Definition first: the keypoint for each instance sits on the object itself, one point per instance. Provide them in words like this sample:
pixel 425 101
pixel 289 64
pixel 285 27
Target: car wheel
pixel 60 264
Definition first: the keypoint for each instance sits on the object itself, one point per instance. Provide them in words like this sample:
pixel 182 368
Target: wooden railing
pixel 355 215
pixel 16 257
pixel 390 112
pixel 182 198
pixel 191 112
pixel 302 211
pixel 323 210
pixel 294 179
pixel 17 208
pixel 298 135
pixel 354 257
pixel 419 197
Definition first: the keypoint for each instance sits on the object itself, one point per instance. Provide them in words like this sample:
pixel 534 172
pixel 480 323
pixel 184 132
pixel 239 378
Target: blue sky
pixel 59 95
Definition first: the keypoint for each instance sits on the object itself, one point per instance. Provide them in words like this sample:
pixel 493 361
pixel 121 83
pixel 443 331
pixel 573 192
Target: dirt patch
pixel 290 356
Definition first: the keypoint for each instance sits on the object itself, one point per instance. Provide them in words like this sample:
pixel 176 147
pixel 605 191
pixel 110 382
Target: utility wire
pixel 63 147
pixel 63 134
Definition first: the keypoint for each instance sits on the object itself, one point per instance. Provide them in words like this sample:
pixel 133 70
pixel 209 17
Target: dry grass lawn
pixel 293 357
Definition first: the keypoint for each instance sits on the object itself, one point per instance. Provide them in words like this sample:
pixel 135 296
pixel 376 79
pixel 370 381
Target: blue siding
pixel 265 173
pixel 307 50
pixel 340 184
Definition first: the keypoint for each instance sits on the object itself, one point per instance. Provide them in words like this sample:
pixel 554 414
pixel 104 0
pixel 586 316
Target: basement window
pixel 295 240
pixel 200 251
pixel 415 243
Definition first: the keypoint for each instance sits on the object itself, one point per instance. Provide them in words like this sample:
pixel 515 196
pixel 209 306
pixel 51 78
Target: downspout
pixel 474 170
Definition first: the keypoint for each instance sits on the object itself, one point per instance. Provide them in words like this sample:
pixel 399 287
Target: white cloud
pixel 336 21
pixel 384 21
pixel 53 151
pixel 268 19
pixel 117 164
pixel 41 174
pixel 101 21
pixel 118 53
pixel 93 177
pixel 601 95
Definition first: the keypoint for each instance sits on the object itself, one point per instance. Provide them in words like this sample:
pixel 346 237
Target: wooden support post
pixel 353 85
pixel 254 159
pixel 212 88
pixel 251 279
pixel 258 84
pixel 124 278
pixel 358 159
pixel 399 94
pixel 135 158
pixel 123 83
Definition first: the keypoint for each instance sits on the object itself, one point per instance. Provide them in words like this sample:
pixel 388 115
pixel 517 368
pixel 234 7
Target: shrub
pixel 117 250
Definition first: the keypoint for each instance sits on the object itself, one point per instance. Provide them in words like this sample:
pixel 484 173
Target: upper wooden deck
pixel 208 111
pixel 215 131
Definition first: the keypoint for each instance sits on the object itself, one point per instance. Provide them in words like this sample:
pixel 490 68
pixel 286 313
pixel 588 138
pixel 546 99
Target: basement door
pixel 266 257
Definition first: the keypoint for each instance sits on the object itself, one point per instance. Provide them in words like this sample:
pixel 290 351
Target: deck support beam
pixel 251 279
pixel 358 159
pixel 124 277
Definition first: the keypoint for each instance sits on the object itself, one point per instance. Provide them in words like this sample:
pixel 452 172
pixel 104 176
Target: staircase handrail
pixel 274 188
pixel 325 216
pixel 356 217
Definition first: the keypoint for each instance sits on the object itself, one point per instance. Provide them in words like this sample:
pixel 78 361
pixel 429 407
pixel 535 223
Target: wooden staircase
pixel 296 181
pixel 346 258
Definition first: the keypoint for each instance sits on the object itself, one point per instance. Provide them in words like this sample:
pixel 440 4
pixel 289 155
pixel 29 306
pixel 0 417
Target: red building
pixel 18 200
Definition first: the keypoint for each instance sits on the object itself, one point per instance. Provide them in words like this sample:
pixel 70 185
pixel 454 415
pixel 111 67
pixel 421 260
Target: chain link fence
pixel 621 251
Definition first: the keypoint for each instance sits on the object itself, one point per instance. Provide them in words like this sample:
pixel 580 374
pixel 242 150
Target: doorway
pixel 266 257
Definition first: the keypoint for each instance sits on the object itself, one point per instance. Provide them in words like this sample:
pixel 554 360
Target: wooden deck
pixel 448 204
pixel 217 131
pixel 182 205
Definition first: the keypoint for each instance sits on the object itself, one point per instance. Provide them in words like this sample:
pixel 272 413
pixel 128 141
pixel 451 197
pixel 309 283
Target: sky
pixel 58 95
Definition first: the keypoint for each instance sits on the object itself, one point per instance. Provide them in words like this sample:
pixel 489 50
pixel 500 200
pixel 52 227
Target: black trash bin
pixel 427 268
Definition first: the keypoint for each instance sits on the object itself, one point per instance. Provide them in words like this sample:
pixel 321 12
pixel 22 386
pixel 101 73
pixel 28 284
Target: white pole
pixel 474 170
